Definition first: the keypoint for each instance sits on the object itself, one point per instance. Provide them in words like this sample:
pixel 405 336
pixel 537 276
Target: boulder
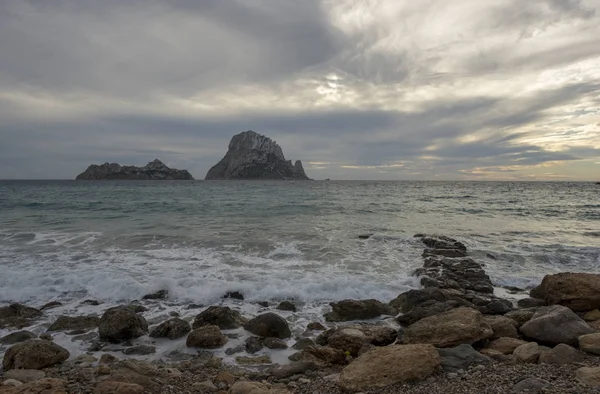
pixel 528 353
pixel 455 273
pixel 253 156
pixel 42 386
pixel 286 306
pixel 67 323
pixel 348 340
pixel 579 292
pixel 388 365
pixel 592 315
pixel 121 324
pixel 269 325
pixel 16 337
pixel 441 242
pixel 452 328
pixel 274 343
pixel 555 324
pixel 235 295
pixel 347 310
pixel 353 337
pixel 159 295
pixel 590 343
pixel 502 326
pixel 257 360
pixel 295 368
pixel 520 316
pixel 34 354
pixel 221 316
pixel 303 343
pixel 560 354
pixel 207 337
pixel 172 329
pixel 24 375
pixel 316 326
pixel 461 357
pixel 50 305
pixel 112 387
pixel 253 344
pixel 506 345
pixel 531 302
pixel 589 376
pixel 138 372
pixel 139 350
pixel 320 356
pixel 19 310
pixel 530 385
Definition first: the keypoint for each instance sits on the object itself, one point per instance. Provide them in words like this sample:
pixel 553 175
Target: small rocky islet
pixel 452 335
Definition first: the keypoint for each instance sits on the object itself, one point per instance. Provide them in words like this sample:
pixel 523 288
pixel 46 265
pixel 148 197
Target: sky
pixel 356 89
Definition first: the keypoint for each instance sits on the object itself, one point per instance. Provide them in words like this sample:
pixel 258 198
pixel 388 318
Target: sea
pixel 115 241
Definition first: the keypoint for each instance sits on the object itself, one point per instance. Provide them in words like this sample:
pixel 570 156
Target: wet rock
pixel 90 302
pixel 64 323
pixel 136 308
pixel 50 305
pixel 530 385
pixel 320 356
pixel 207 337
pixel 221 316
pixel 502 326
pixel 108 359
pixel 159 295
pixel 576 291
pixel 528 353
pixel 315 326
pixel 348 340
pixel 269 325
pixel 264 304
pixel 18 316
pixel 555 324
pixel 173 329
pixel 441 242
pixel 506 345
pixel 303 343
pixel 352 337
pixel 233 350
pixel 274 343
pixel 121 324
pixel 590 343
pixel 452 253
pixel 560 354
pixel 365 236
pixel 530 303
pixel 140 350
pixel 388 365
pixel 24 375
pixel 286 306
pixel 347 310
pixel 46 336
pixel 34 354
pixel 461 357
pixel 16 337
pixel 452 328
pixel 253 345
pixel 236 295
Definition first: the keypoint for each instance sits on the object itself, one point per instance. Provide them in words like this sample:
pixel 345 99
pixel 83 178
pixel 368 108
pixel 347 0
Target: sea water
pixel 115 241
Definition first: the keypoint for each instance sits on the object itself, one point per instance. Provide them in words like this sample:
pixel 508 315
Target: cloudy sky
pixel 357 89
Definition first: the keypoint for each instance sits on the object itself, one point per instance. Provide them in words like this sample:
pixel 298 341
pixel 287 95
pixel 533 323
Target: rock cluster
pixel 254 156
pixel 155 170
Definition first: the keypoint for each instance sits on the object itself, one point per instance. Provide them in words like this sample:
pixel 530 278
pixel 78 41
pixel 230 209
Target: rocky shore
pixel 452 335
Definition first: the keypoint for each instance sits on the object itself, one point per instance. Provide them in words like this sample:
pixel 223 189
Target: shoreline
pixel 419 324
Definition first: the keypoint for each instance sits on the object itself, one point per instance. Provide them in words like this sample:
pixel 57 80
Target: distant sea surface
pixel 118 240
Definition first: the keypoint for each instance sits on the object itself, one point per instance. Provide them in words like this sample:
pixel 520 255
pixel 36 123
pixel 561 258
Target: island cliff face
pixel 155 170
pixel 254 156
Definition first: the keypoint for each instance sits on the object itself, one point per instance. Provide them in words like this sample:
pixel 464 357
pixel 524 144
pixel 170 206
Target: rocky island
pixel 254 156
pixel 154 171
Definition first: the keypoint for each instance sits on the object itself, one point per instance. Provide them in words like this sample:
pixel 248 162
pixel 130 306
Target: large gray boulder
pixel 269 325
pixel 222 316
pixel 155 170
pixel 121 324
pixel 34 354
pixel 555 324
pixel 254 156
pixel 577 291
pixel 461 357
